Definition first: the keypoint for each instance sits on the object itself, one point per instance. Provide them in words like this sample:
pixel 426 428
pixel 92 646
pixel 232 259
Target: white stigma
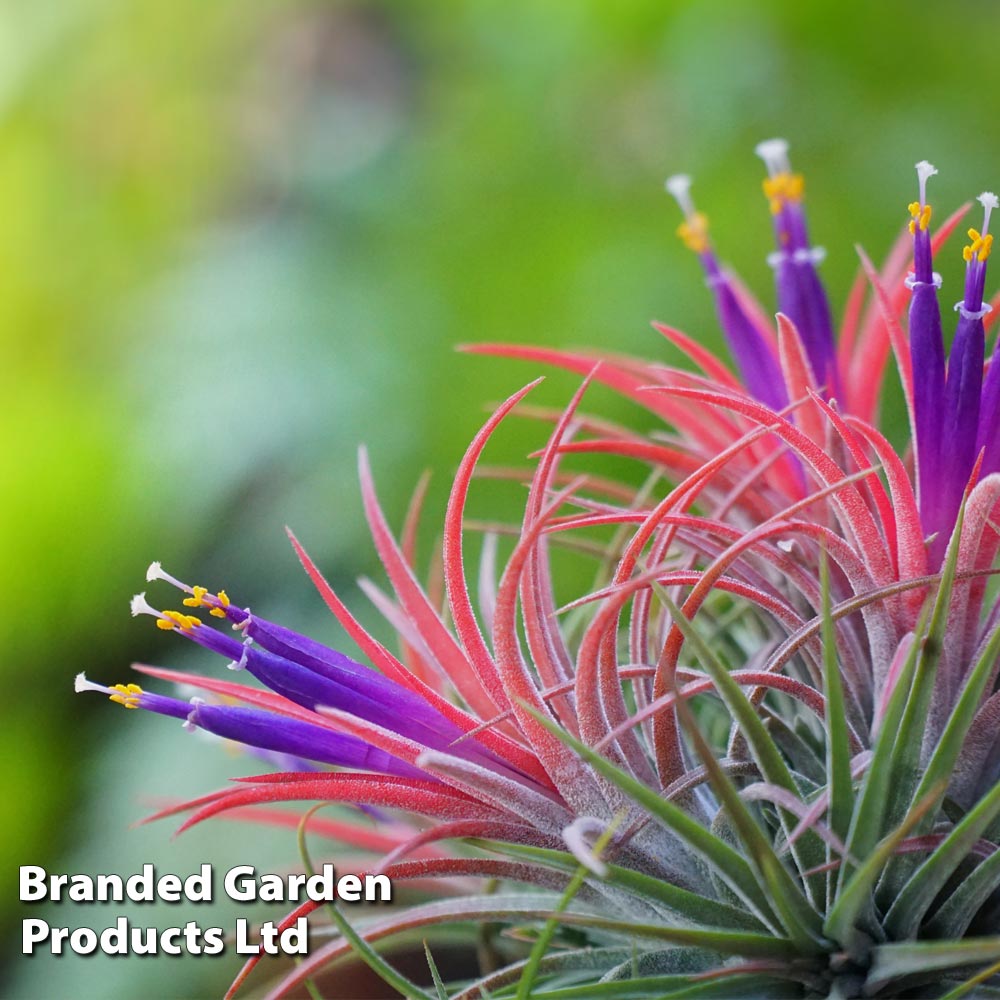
pixel 679 186
pixel 924 171
pixel 774 153
pixel 989 201
pixel 140 606
pixel 81 684
pixel 157 572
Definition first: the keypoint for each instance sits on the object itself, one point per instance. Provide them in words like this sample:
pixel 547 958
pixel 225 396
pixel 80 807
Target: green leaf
pixel 972 982
pixel 686 904
pixel 855 897
pixel 957 911
pixel 946 753
pixel 788 730
pixel 724 942
pixel 545 938
pixel 747 986
pixel 808 850
pixel 903 918
pixel 435 975
pixel 362 948
pixel 838 744
pixel 956 730
pixel 801 921
pixel 909 738
pixel 896 961
pixel 591 962
pixel 869 810
pixel 729 864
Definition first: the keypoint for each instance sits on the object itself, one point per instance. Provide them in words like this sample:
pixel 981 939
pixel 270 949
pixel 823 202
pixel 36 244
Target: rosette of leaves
pixel 758 757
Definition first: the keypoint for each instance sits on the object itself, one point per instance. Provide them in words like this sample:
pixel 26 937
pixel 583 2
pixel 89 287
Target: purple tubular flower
pixel 300 739
pixel 264 730
pixel 375 699
pixel 963 389
pixel 801 295
pixel 313 675
pixel 962 398
pixel 927 354
pixel 754 357
pixel 988 440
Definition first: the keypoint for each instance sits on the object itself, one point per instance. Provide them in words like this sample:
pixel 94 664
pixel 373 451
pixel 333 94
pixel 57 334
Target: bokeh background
pixel 238 239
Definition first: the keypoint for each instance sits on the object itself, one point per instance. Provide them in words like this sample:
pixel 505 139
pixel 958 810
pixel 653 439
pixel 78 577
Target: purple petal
pixel 280 734
pixel 927 354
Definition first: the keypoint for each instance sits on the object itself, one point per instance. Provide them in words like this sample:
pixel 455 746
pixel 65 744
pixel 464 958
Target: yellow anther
pixel 783 188
pixel 172 619
pixel 694 232
pixel 223 598
pixel 979 248
pixel 196 601
pixel 126 694
pixel 921 216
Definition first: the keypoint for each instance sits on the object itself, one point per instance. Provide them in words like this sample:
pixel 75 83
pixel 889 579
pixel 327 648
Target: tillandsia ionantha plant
pixel 759 757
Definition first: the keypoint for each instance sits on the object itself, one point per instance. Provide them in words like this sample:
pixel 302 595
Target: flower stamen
pixel 126 695
pixel 693 231
pixel 165 620
pixel 175 619
pixel 156 571
pixel 781 186
pixel 982 241
pixel 216 605
pixel 219 612
pixel 920 210
pixel 195 601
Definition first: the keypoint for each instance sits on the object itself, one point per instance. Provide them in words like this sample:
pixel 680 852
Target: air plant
pixel 759 756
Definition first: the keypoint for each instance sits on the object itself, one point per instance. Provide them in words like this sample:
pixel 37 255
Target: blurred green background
pixel 238 239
